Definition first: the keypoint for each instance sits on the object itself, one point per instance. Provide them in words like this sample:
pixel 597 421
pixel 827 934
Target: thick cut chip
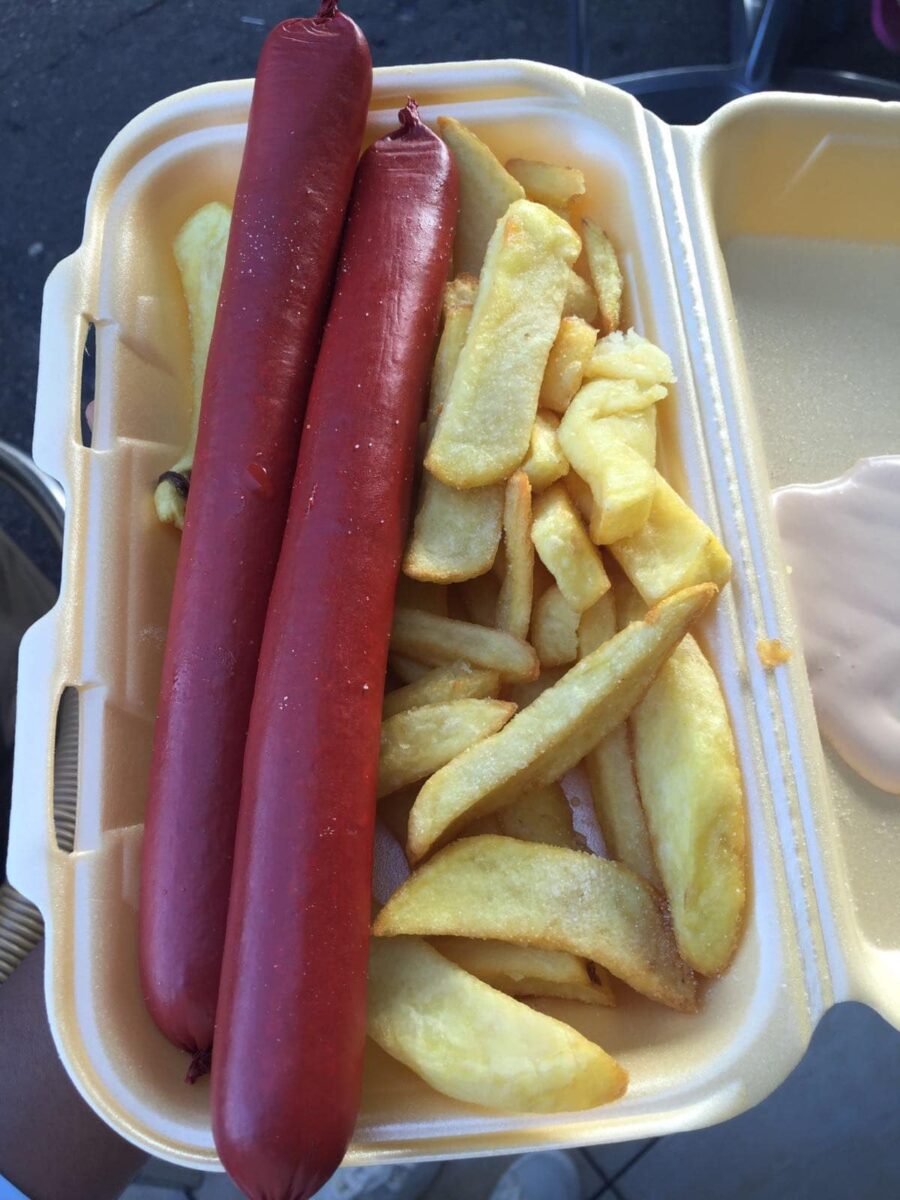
pixel 497 887
pixel 614 454
pixel 514 601
pixel 672 550
pixel 597 625
pixel 459 681
pixel 625 481
pixel 606 274
pixel 416 742
pixel 545 462
pixel 628 603
pixel 610 769
pixel 607 409
pixel 566 550
pixel 581 299
pixel 486 190
pixel 565 366
pixel 437 640
pixel 455 533
pixel 629 356
pixel 542 815
pixel 609 397
pixel 554 629
pixel 547 183
pixel 617 804
pixel 527 971
pixel 479 597
pixel 636 430
pixel 429 597
pixel 199 249
pixel 627 408
pixel 691 787
pixel 582 496
pixel 459 299
pixel 474 1043
pixel 484 429
pixel 556 731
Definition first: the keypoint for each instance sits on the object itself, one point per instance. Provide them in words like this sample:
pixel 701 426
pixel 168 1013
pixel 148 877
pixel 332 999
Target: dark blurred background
pixel 73 72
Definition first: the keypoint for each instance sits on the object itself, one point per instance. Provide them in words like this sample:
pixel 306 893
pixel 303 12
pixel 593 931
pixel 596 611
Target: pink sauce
pixel 842 543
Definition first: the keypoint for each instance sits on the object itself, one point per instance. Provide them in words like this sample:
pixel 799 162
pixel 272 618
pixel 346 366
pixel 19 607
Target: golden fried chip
pixel 672 550
pixel 611 397
pixel 486 191
pixel 514 601
pixel 581 299
pixel 556 731
pixel 614 454
pixel 459 300
pixel 566 550
pixel 547 183
pixel 458 681
pixel 610 769
pixel 606 274
pixel 527 971
pixel 414 743
pixel 691 787
pixel 581 494
pixel 199 249
pixel 554 629
pixel 484 429
pixel 429 1013
pixel 554 899
pixel 541 815
pixel 629 356
pixel 436 640
pixel 565 366
pixel 545 462
pixel 455 533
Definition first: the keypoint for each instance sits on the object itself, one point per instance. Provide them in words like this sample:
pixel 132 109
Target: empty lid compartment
pixel 806 201
pixel 797 212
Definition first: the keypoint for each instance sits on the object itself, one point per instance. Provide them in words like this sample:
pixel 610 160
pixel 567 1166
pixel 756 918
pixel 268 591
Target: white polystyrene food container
pixel 764 181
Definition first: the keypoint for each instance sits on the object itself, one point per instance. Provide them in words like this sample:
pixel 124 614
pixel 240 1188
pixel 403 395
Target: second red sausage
pixel 291 1022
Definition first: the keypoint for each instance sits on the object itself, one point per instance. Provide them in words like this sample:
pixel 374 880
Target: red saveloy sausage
pixel 307 120
pixel 291 1024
